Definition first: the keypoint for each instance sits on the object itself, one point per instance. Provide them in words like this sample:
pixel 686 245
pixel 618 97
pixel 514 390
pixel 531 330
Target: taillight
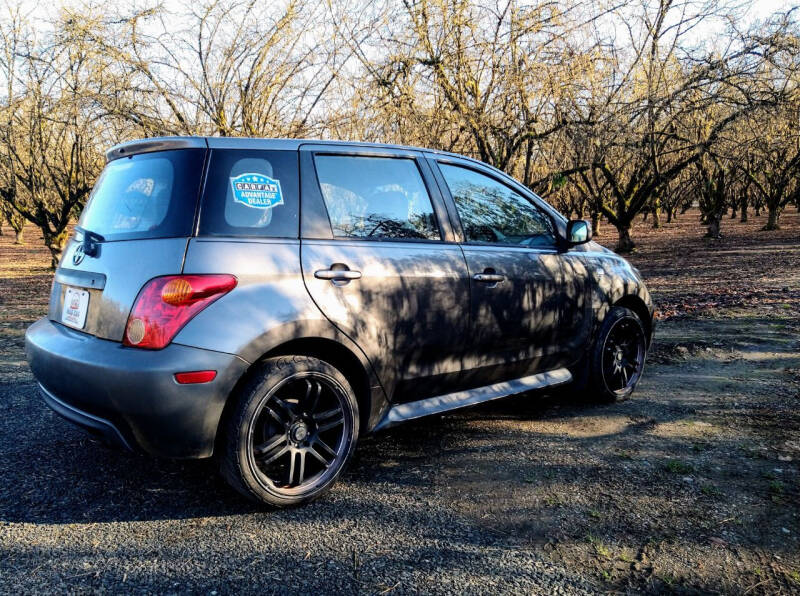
pixel 166 304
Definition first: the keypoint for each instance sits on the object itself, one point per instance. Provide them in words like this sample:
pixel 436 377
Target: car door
pixel 510 246
pixel 380 261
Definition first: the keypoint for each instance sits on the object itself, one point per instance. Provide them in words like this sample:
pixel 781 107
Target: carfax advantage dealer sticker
pixel 257 191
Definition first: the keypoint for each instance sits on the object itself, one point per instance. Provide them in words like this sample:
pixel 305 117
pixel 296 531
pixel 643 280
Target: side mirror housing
pixel 578 232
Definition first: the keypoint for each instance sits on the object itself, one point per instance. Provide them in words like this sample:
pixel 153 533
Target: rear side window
pixel 148 195
pixel 251 193
pixel 376 197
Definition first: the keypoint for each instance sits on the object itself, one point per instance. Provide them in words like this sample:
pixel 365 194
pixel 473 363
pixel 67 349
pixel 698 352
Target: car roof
pixel 188 142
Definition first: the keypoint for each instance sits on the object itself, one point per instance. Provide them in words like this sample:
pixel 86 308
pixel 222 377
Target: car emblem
pixel 77 256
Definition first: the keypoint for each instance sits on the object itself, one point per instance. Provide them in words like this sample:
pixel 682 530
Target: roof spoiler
pixel 155 144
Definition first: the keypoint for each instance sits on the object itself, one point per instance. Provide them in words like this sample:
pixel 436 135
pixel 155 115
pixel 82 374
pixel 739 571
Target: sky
pixel 762 8
pixel 754 9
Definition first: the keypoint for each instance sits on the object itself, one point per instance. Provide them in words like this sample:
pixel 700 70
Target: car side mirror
pixel 578 232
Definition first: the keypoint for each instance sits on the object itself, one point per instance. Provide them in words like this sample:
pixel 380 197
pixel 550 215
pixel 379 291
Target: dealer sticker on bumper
pixel 76 304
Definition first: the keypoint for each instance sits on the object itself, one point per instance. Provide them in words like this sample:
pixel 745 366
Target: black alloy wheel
pixel 298 433
pixel 294 431
pixel 614 364
pixel 623 355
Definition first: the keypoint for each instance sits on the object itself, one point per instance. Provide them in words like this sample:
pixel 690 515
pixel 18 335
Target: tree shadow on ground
pixel 686 465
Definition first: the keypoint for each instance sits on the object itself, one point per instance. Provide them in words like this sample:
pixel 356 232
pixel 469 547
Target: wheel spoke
pixel 276 416
pixel 325 446
pixel 332 424
pixel 275 454
pixel 313 452
pixel 292 458
pixel 302 456
pixel 287 408
pixel 617 376
pixel 312 399
pixel 264 448
pixel 323 416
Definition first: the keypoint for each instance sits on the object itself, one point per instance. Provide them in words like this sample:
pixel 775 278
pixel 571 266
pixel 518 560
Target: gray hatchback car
pixel 268 301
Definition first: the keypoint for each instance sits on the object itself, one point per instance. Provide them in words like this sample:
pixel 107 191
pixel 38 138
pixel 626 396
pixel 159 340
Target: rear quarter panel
pixel 269 306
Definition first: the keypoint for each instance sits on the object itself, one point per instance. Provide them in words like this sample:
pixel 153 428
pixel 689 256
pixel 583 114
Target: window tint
pixel 148 195
pixel 376 197
pixel 492 212
pixel 251 193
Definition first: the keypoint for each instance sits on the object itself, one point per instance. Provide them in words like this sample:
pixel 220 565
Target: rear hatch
pixel 135 227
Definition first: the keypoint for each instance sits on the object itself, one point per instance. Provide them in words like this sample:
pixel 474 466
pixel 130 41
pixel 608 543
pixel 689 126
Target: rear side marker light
pixel 165 304
pixel 196 376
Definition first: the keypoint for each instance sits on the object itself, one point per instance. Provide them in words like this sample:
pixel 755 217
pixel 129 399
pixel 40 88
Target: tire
pixel 610 371
pixel 292 432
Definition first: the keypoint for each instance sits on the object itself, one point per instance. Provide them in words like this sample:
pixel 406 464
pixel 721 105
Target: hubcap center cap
pixel 298 432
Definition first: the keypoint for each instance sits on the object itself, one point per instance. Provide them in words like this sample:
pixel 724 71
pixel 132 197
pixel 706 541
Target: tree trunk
pixel 656 217
pixel 758 210
pixel 743 210
pixel 772 219
pixel 733 213
pixel 714 221
pixel 595 224
pixel 55 244
pixel 670 214
pixel 625 242
pixel 17 223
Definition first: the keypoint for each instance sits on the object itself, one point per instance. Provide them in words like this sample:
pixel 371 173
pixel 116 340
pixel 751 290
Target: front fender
pixel 612 280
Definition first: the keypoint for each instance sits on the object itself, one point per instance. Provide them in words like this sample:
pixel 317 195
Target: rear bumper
pixel 94 424
pixel 130 396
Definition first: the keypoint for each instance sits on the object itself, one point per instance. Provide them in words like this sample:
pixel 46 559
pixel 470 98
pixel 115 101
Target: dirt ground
pixel 691 486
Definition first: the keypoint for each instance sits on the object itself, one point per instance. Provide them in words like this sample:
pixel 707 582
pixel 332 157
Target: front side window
pixel 251 193
pixel 491 212
pixel 376 197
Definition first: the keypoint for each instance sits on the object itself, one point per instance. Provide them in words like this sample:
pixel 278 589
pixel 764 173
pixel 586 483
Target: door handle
pixel 490 278
pixel 337 274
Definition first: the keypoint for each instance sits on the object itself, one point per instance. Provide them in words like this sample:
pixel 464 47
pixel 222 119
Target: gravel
pixel 77 516
pixel 689 487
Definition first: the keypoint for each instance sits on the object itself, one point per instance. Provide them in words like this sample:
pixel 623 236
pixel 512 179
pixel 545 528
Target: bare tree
pixel 48 131
pixel 607 111
pixel 232 68
pixel 496 73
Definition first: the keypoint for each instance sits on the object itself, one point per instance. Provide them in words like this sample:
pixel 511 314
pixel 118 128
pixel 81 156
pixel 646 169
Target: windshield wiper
pixel 91 241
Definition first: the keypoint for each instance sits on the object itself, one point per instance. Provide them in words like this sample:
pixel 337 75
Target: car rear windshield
pixel 148 195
